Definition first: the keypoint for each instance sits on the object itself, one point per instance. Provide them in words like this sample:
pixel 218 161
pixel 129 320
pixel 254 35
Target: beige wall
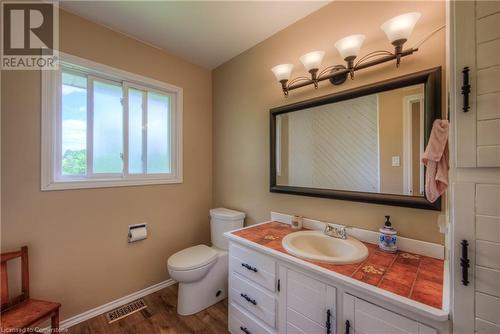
pixel 391 138
pixel 79 255
pixel 245 90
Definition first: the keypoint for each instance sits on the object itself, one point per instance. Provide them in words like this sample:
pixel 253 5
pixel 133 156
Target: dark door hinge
pixel 279 285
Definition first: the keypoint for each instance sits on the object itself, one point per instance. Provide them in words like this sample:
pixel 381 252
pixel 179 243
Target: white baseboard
pixel 114 304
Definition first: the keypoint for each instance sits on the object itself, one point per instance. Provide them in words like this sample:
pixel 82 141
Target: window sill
pixel 107 183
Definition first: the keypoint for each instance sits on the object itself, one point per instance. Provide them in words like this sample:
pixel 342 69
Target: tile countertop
pixel 416 277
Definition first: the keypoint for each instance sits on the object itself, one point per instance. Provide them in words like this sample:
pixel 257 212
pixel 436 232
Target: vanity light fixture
pixel 397 30
pixel 283 73
pixel 312 62
pixel 348 48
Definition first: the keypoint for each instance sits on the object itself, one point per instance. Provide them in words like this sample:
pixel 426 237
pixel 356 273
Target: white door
pixel 475 52
pixel 476 213
pixel 362 317
pixel 475 195
pixel 306 305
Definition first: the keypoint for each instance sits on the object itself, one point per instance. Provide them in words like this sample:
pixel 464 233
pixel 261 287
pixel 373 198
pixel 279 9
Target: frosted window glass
pixel 108 128
pixel 135 163
pixel 158 155
pixel 74 124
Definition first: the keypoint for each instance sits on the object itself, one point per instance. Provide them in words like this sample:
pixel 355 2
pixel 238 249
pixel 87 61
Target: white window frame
pixel 51 176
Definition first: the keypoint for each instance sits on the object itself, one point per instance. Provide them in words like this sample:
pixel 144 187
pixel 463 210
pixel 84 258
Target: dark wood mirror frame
pixel 432 110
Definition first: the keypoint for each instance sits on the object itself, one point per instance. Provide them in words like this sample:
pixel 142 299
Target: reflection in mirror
pixel 371 143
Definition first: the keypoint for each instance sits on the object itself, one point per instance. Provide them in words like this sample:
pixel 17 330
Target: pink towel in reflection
pixel 435 158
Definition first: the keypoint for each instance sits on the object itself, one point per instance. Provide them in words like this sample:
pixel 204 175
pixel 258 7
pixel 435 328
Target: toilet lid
pixel 192 258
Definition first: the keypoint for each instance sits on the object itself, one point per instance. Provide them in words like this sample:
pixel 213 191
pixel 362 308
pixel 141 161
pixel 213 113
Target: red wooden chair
pixel 22 311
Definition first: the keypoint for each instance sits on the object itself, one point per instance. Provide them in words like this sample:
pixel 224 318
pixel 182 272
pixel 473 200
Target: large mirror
pixel 363 144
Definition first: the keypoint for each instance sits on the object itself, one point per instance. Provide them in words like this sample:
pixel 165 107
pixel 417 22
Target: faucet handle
pixel 343 232
pixel 328 227
pixel 335 230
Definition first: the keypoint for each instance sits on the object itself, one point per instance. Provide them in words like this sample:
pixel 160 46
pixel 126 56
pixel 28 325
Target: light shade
pixel 400 27
pixel 312 60
pixel 349 46
pixel 282 71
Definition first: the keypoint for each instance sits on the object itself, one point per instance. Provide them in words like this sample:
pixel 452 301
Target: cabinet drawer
pixel 242 323
pixel 257 267
pixel 253 298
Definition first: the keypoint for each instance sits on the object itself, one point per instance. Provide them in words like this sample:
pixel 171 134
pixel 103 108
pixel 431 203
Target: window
pixel 105 127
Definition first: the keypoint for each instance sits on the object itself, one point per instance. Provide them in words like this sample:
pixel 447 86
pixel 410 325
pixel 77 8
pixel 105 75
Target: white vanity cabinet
pixel 362 317
pixel 307 305
pixel 270 295
pixel 252 291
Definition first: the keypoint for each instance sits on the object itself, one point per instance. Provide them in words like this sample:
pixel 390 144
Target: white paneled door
pixel 308 305
pixel 367 318
pixel 475 196
pixel 476 42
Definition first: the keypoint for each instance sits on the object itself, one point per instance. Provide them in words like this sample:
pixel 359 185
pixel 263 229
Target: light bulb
pixel 312 60
pixel 399 28
pixel 349 46
pixel 282 71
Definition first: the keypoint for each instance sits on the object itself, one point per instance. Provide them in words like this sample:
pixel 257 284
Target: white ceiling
pixel 207 33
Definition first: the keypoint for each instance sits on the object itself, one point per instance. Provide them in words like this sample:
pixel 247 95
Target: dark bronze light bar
pixel 397 29
pixel 342 74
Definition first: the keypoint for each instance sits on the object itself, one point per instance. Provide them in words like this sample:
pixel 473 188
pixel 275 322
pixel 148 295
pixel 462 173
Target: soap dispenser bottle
pixel 387 239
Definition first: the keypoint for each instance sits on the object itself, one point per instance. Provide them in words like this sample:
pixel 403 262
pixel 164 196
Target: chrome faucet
pixel 336 231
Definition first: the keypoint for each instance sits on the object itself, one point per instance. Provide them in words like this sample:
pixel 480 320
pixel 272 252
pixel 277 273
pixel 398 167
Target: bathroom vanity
pixel 272 291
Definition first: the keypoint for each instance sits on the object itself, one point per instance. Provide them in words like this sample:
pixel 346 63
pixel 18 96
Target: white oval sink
pixel 316 246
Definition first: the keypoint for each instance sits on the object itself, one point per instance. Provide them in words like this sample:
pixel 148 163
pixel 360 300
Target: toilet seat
pixel 192 258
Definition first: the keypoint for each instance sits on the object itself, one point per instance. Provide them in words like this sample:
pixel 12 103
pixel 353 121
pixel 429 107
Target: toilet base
pixel 196 296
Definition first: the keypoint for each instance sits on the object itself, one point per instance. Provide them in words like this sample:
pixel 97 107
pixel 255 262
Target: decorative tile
pixel 369 273
pixel 402 274
pixel 380 258
pixel 410 256
pixel 428 292
pixel 344 269
pixel 414 276
pixel 370 269
pixel 407 260
pixel 395 287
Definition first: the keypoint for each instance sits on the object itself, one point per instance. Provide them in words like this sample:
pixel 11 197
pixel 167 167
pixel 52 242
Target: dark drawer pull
pixel 248 299
pixel 466 89
pixel 245 330
pixel 249 267
pixel 347 327
pixel 465 262
pixel 328 324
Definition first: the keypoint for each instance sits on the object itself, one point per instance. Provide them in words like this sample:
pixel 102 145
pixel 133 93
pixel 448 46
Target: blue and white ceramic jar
pixel 387 239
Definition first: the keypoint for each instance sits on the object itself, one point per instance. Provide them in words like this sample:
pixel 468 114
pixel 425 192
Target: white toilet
pixel 201 270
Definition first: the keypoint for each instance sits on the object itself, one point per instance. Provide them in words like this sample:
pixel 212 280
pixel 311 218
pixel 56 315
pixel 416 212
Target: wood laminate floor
pixel 160 317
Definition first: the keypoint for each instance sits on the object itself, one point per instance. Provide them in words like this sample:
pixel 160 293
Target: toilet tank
pixel 223 220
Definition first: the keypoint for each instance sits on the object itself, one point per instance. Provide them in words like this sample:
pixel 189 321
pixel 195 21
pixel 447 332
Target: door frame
pixel 407 142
